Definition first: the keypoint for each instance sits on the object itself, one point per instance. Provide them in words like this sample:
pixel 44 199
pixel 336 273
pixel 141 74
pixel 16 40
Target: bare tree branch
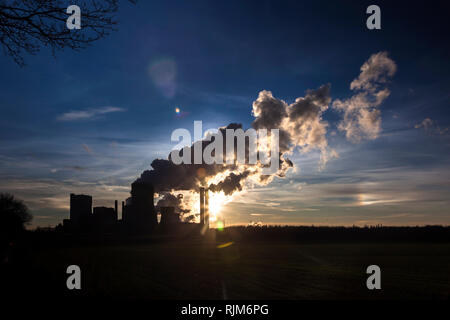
pixel 27 25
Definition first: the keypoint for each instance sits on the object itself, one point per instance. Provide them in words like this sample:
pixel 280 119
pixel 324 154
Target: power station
pixel 139 214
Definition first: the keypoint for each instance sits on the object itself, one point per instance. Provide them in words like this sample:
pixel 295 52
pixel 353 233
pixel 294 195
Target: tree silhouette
pixel 14 214
pixel 27 25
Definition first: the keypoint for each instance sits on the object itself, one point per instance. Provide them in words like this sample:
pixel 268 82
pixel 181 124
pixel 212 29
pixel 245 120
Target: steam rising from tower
pixel 301 128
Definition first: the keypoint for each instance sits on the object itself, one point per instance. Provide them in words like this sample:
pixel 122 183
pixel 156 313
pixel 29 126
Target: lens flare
pixel 219 225
pixel 163 73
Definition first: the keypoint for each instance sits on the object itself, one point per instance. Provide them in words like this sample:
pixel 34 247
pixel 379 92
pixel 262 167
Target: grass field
pixel 197 269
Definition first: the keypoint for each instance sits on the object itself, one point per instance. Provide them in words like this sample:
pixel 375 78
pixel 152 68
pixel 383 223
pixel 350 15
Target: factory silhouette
pixel 139 214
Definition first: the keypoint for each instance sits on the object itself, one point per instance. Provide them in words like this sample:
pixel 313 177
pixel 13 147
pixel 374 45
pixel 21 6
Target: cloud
pixel 76 168
pixel 300 123
pixel 361 116
pixel 301 127
pixel 268 111
pixel 86 148
pixel 377 69
pixel 426 124
pixel 175 201
pixel 87 114
pixel 272 204
pixel 431 127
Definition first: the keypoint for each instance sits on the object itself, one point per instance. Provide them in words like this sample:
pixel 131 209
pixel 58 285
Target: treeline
pixel 51 237
pixel 342 234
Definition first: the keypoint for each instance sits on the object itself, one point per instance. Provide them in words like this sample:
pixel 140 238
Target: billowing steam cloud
pixel 170 200
pixel 300 123
pixel 301 127
pixel 362 118
pixel 231 183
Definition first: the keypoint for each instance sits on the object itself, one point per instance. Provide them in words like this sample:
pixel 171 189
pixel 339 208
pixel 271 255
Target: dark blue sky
pixel 91 121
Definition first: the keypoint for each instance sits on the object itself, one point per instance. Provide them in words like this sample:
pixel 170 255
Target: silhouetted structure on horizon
pixel 83 218
pixel 80 210
pixel 139 214
pixel 204 206
pixel 169 216
pixel 104 216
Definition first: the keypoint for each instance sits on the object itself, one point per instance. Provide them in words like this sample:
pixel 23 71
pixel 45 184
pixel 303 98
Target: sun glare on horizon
pixel 217 200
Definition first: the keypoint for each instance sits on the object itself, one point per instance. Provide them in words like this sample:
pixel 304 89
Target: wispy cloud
pixel 431 127
pixel 76 115
pixel 86 148
pixel 76 168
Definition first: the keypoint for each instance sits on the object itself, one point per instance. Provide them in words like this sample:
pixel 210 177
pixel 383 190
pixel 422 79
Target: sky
pixel 91 121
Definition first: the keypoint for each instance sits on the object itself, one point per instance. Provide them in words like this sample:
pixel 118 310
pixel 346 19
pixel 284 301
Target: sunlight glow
pixel 216 202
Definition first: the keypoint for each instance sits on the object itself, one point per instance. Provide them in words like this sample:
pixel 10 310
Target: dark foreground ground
pixel 235 265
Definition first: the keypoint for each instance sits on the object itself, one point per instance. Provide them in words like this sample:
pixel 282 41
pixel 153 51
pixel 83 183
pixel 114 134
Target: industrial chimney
pixel 204 206
pixel 207 208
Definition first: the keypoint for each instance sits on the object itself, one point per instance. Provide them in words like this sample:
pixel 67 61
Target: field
pixel 210 268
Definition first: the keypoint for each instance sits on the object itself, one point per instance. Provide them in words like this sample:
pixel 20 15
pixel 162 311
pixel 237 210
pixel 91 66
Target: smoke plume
pixel 301 127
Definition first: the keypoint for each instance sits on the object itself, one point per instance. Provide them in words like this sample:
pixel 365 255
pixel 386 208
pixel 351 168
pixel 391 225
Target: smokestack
pixel 123 208
pixel 202 205
pixel 207 208
pixel 115 208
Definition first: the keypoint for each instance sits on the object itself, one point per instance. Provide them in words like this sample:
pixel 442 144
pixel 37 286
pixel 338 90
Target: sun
pixel 217 200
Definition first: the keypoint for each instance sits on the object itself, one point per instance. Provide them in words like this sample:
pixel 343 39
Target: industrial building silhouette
pixel 139 214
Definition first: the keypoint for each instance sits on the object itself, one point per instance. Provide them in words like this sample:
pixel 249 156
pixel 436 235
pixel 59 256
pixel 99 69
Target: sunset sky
pixel 91 121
